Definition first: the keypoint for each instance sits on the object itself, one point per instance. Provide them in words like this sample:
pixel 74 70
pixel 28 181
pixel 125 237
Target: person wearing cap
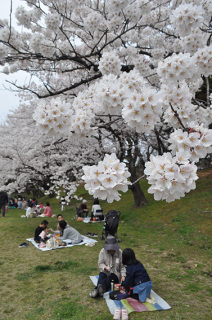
pixel 82 210
pixel 111 267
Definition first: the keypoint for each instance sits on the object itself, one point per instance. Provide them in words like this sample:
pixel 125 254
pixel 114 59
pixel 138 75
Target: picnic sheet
pixel 133 305
pixel 85 240
pixel 87 220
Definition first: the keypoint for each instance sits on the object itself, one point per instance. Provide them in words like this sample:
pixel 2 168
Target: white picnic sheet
pixel 85 240
pixel 87 220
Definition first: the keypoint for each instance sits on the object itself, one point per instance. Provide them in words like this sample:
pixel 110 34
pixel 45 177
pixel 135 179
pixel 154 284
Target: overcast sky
pixel 8 100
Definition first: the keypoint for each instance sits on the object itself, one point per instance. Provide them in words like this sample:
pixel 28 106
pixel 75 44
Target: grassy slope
pixel 172 240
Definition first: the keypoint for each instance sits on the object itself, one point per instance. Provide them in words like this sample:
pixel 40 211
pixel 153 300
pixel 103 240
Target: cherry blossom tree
pixel 30 159
pixel 122 74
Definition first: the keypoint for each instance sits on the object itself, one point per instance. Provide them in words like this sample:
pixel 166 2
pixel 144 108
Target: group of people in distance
pixel 121 268
pixel 64 232
pixel 96 210
pixel 34 211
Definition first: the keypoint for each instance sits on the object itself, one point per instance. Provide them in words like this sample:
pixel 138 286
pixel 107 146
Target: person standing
pixel 63 203
pixel 3 202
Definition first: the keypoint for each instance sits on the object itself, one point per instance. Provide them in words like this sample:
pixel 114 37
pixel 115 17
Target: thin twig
pixel 138 179
pixel 11 4
pixel 177 115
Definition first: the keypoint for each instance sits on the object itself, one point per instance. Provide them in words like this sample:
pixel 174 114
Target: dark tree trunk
pixel 135 160
pixel 139 197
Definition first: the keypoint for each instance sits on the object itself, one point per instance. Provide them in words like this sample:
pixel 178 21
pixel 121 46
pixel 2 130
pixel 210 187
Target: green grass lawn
pixel 173 241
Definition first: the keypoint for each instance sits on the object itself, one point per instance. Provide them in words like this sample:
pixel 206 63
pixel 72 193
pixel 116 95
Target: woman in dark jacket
pixel 137 283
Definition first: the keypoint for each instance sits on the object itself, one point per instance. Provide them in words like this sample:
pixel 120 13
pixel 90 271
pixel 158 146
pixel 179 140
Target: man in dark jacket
pixel 3 202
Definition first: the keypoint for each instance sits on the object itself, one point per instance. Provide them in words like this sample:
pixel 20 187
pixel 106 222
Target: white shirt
pixel 96 207
pixel 28 212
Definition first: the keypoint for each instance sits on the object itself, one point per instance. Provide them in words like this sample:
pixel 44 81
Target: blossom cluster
pixel 142 65
pixel 193 41
pixel 53 117
pixel 52 21
pixel 180 99
pixel 170 177
pixel 132 81
pixel 195 144
pixel 176 68
pixel 23 17
pixel 203 59
pixel 93 21
pixel 117 5
pixel 187 16
pixel 110 63
pixel 105 180
pixel 83 116
pixel 110 95
pixel 140 110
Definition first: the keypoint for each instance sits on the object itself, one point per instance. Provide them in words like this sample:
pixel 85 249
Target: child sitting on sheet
pixel 137 283
pixel 43 234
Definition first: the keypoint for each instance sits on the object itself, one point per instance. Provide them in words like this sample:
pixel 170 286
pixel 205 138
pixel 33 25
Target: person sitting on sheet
pixel 47 211
pixel 111 267
pixel 82 210
pixel 43 234
pixel 59 218
pixel 68 233
pixel 39 229
pixel 96 210
pixel 137 283
pixel 29 211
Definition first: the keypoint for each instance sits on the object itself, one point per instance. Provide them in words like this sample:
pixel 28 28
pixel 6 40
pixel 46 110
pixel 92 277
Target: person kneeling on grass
pixel 111 267
pixel 137 283
pixel 68 233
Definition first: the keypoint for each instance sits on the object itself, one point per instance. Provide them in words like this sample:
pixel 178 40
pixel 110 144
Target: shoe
pixel 117 314
pixel 23 245
pixel 124 314
pixel 94 293
pixel 94 235
pixel 101 290
pixel 90 244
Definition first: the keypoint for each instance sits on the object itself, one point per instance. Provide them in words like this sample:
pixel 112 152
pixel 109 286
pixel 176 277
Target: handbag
pixel 52 243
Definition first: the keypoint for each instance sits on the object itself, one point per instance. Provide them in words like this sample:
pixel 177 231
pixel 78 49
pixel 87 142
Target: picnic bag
pixel 52 243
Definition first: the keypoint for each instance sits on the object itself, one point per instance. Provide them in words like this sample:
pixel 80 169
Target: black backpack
pixel 112 221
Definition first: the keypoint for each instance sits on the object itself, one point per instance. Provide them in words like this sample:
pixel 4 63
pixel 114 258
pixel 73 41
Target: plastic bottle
pixel 112 285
